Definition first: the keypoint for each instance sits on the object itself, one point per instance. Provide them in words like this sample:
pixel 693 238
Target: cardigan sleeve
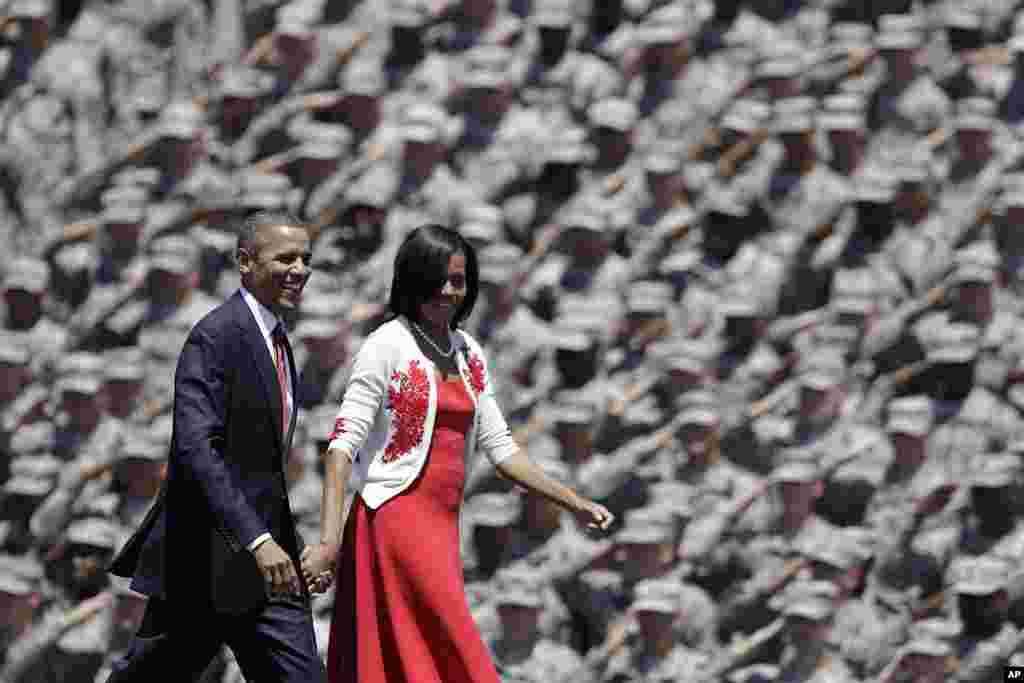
pixel 364 394
pixel 494 435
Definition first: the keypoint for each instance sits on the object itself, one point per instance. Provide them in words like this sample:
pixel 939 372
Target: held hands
pixel 318 566
pixel 277 569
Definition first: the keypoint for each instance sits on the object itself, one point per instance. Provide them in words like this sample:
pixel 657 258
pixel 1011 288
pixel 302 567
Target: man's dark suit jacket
pixel 225 478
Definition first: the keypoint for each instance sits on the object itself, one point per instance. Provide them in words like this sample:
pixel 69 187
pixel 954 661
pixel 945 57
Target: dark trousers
pixel 274 644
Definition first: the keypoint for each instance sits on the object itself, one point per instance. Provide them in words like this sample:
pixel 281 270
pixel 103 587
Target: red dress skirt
pixel 400 613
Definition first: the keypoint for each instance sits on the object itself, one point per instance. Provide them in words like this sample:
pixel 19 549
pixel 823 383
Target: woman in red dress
pixel 417 408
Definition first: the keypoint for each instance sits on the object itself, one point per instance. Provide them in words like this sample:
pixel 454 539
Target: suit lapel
pixel 253 339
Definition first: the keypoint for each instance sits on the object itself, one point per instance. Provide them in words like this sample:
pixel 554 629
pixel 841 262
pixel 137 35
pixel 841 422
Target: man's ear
pixel 244 260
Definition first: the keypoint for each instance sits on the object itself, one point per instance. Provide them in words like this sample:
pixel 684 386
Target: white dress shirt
pixel 267 321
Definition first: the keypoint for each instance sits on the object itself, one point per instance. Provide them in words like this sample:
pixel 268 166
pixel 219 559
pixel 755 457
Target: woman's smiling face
pixel 439 310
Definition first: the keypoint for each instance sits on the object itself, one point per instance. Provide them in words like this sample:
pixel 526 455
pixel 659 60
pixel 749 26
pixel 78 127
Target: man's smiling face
pixel 278 269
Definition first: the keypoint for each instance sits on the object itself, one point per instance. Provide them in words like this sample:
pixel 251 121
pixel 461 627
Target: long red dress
pixel 400 613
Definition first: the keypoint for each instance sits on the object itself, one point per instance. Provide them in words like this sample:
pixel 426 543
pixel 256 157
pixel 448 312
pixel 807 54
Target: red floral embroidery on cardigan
pixel 339 429
pixel 409 402
pixel 476 373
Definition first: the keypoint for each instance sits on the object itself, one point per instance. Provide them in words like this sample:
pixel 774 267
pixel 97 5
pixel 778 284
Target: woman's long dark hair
pixel 421 269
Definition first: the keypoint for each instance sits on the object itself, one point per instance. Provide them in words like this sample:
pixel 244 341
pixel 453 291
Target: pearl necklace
pixel 451 347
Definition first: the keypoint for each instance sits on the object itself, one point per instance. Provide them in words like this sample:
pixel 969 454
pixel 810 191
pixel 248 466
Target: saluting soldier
pixel 769 540
pixel 86 547
pixel 523 652
pixel 987 640
pixel 809 655
pixel 16 392
pixel 25 292
pixel 908 423
pixel 498 136
pixel 995 481
pixel 548 79
pixel 908 103
pixel 324 369
pixel 33 637
pixel 652 651
pixel 867 629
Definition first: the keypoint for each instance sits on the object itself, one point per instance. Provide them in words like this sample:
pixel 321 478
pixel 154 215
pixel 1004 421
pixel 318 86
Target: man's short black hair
pixel 421 269
pixel 250 228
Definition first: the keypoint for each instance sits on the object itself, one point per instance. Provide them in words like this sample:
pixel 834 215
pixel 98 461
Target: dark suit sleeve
pixel 200 409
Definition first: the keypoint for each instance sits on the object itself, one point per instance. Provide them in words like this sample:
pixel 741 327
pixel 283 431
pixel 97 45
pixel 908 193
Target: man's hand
pixel 617 635
pixel 789 571
pixel 321 100
pixel 318 566
pixel 744 503
pixel 277 569
pixel 935 295
pixel 84 471
pixel 936 499
pixel 95 470
pixel 88 608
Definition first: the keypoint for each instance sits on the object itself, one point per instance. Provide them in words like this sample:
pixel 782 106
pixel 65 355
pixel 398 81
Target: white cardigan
pixel 387 412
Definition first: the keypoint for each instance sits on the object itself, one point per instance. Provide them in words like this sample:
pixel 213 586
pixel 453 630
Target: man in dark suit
pixel 218 553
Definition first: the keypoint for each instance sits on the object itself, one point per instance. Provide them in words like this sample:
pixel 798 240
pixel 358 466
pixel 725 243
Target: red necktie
pixel 282 376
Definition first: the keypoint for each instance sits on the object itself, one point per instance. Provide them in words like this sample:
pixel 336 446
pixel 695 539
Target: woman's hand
pixel 594 515
pixel 523 471
pixel 318 562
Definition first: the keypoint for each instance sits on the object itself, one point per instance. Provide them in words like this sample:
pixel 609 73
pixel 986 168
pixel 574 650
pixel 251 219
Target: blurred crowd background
pixel 750 276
